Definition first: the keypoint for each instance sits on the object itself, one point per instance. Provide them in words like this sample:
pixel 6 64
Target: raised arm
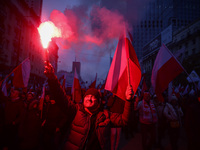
pixel 123 119
pixel 57 91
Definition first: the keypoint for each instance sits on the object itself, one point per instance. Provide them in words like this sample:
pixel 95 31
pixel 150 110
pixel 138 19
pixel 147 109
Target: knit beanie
pixel 93 91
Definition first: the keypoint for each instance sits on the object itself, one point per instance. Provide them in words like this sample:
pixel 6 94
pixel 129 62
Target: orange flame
pixel 47 31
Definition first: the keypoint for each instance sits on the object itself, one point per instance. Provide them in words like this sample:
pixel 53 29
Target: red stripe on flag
pixel 165 69
pixel 117 79
pixel 165 75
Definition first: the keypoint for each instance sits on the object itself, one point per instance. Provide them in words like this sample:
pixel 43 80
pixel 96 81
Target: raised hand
pixel 48 70
pixel 129 93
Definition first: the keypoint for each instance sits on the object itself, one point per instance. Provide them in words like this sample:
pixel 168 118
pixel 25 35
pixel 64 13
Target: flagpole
pixel 128 72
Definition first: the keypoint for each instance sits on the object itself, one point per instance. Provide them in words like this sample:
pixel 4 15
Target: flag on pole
pixel 76 88
pixel 118 76
pixel 166 68
pixel 93 84
pixel 22 74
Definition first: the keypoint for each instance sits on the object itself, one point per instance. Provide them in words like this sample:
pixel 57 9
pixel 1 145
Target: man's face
pixel 90 101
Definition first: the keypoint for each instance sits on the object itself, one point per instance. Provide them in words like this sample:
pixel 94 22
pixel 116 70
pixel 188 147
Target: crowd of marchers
pixel 30 121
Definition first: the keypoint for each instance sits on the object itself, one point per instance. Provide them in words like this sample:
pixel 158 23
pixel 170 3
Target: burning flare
pixel 47 31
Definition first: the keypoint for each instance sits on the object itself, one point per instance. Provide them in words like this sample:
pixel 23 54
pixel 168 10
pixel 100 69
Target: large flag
pixel 76 88
pixel 93 84
pixel 22 74
pixel 165 69
pixel 122 71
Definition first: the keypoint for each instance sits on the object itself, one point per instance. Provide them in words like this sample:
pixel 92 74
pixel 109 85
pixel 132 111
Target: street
pixel 135 143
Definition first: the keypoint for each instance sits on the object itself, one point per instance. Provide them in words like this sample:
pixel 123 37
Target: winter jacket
pixel 80 126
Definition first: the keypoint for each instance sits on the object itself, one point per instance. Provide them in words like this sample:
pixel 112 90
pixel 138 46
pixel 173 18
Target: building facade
pixel 19 39
pixel 184 44
pixel 159 15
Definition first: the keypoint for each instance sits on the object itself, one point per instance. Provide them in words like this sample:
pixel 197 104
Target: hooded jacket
pixel 80 119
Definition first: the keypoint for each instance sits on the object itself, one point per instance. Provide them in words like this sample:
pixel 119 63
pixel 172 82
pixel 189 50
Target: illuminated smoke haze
pixel 94 27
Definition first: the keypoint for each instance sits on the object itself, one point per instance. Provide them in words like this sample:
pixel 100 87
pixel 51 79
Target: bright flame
pixel 47 31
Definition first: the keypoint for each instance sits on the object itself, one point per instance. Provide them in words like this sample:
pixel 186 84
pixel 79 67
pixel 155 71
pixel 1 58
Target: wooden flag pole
pixel 128 72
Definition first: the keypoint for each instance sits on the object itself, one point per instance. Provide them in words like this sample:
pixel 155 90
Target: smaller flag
pixel 76 89
pixel 165 69
pixel 93 84
pixel 22 74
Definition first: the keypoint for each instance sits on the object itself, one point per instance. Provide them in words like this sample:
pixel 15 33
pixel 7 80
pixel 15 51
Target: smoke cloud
pixel 94 26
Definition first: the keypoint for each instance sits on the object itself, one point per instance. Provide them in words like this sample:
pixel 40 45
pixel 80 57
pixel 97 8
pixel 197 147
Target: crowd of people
pixel 29 121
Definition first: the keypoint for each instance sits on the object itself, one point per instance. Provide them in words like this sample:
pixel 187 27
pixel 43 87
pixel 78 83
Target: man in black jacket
pixel 90 125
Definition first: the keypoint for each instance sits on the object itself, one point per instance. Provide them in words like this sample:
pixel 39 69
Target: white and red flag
pixel 118 77
pixel 166 68
pixel 76 88
pixel 22 74
pixel 93 84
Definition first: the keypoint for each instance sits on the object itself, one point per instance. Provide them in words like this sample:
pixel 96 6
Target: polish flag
pixel 119 74
pixel 76 88
pixel 22 74
pixel 93 84
pixel 166 68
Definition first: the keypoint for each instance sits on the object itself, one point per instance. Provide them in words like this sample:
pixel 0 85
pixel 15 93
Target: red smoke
pixel 97 27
